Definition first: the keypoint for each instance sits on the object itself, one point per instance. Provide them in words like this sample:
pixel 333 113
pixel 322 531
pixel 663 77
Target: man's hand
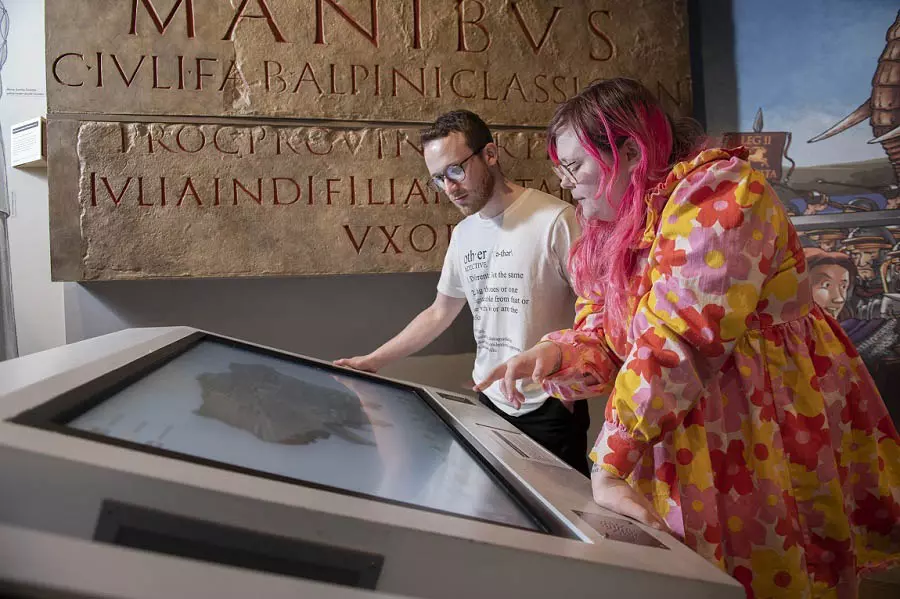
pixel 365 363
pixel 617 495
pixel 537 364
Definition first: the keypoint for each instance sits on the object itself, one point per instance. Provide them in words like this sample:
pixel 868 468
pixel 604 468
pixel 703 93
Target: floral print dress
pixel 736 405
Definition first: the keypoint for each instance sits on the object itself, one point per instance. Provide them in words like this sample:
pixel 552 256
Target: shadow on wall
pixel 325 317
pixel 713 65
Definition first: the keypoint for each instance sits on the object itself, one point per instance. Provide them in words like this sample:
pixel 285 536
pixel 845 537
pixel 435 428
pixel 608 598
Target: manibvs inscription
pixel 380 60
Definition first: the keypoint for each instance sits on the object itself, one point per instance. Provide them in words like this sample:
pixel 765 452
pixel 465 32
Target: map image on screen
pixel 283 417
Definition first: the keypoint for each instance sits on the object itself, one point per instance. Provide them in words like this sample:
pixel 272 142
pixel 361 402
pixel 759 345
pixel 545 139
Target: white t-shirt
pixel 512 270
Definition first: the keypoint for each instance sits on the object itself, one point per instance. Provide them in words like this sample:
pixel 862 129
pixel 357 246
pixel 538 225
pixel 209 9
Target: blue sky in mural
pixel 808 64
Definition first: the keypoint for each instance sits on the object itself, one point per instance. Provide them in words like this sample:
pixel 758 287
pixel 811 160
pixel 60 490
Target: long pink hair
pixel 604 116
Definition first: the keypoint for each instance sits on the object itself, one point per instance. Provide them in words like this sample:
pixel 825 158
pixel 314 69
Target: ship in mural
pixel 882 108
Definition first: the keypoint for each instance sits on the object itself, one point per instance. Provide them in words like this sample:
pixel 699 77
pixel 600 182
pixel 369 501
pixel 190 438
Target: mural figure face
pixel 865 257
pixel 893 274
pixel 830 284
pixel 827 245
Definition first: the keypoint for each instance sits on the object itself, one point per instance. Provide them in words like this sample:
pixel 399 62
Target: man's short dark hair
pixel 468 123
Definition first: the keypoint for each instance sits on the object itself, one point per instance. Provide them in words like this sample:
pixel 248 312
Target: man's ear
pixel 491 154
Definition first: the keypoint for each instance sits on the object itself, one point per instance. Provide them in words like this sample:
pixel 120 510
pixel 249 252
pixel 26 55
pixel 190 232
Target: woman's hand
pixel 617 495
pixel 537 363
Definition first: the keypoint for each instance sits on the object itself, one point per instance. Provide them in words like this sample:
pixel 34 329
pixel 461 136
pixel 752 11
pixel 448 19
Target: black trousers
pixel 562 432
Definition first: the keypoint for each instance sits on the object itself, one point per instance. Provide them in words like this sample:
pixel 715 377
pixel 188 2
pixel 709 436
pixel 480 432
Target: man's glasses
pixel 454 172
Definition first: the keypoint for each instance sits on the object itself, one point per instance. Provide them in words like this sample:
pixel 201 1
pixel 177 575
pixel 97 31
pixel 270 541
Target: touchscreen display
pixel 280 416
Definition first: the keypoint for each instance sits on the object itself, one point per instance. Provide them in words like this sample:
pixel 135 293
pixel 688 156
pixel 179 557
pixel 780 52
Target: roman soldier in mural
pixel 890 276
pixel 868 248
pixel 827 240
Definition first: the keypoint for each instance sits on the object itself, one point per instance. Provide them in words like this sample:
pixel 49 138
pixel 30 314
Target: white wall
pixel 38 302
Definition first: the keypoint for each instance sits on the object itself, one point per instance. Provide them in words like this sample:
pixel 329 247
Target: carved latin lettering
pixel 517 87
pixel 371 34
pixel 454 81
pixel 353 89
pixel 276 201
pixel 329 191
pixel 334 90
pixel 667 97
pixel 416 190
pixel 412 238
pixel 562 93
pixel 181 72
pixel 419 88
pixel 189 186
pixel 487 86
pixel 150 138
pixel 198 145
pixel 610 52
pixel 266 14
pixel 161 25
pixel 542 89
pixel 200 73
pixel 319 136
pixel 258 198
pixel 417 24
pixel 303 79
pixel 156 84
pixel 357 246
pixel 128 80
pixel 218 145
pixel 262 136
pixel 404 137
pixel 501 140
pixel 349 137
pixel 389 237
pixel 463 43
pixel 535 45
pixel 232 76
pixel 277 75
pixel 55 69
pixel 99 69
pixel 116 198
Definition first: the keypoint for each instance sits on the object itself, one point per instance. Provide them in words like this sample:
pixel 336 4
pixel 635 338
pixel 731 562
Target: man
pixel 867 247
pixel 508 260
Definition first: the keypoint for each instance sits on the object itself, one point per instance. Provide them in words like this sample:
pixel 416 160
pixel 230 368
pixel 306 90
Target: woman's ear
pixel 632 153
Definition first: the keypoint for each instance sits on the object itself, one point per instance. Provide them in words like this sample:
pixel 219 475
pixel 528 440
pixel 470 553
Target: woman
pixel 740 417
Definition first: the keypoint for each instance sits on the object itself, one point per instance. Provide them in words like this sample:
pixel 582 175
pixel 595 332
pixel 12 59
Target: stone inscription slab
pixel 163 200
pixel 374 60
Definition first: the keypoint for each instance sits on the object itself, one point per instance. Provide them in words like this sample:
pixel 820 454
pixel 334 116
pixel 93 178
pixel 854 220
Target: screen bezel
pixel 55 414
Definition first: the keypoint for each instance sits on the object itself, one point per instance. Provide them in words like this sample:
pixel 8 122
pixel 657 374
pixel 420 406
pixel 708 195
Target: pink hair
pixel 604 116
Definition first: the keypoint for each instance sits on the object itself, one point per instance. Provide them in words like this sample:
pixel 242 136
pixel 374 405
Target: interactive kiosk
pixel 183 443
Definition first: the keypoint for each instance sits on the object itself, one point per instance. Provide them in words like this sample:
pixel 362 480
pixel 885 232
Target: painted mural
pixel 825 129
